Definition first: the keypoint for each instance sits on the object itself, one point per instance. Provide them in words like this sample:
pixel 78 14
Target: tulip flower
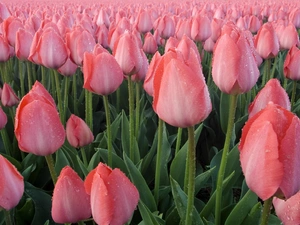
pixel 8 96
pixel 113 197
pixel 288 211
pixel 144 22
pixel 38 128
pixel 78 133
pixel 70 202
pixel 5 49
pixel 291 67
pixel 12 185
pixel 102 73
pixel 201 28
pixel 128 54
pixel 270 139
pixel 150 45
pixel 288 36
pixel 180 96
pixel 10 28
pixel 271 92
pixel 23 43
pixel 266 41
pixel 234 71
pixel 165 26
pixel 68 68
pixel 49 49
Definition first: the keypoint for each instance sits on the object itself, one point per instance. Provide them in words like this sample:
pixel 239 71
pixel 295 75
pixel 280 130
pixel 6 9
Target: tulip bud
pixel 8 96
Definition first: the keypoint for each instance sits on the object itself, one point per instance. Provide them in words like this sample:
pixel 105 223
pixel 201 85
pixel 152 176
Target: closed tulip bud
pixel 271 92
pixel 234 71
pixel 5 49
pixel 68 68
pixel 270 139
pixel 266 41
pixel 78 133
pixel 150 45
pixel 38 128
pixel 180 96
pixel 201 28
pixel 113 197
pixel 23 43
pixel 288 36
pixel 70 202
pixel 11 185
pixel 101 72
pixel 8 96
pixel 291 66
pixel 10 27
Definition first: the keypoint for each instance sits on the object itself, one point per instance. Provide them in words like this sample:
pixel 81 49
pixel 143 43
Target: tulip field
pixel 149 112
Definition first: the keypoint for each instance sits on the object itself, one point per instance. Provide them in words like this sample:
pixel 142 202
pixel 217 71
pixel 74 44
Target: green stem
pixel 191 161
pixel 178 140
pixel 209 76
pixel 8 219
pixel 266 211
pixel 131 119
pixel 275 64
pixel 74 90
pixel 293 94
pixel 29 71
pixel 221 173
pixel 137 109
pixel 6 141
pixel 158 159
pixel 84 158
pixel 66 93
pixel 80 223
pixel 50 163
pixel 21 77
pixel 89 109
pixel 59 98
pixel 108 130
pixel 43 71
pixel 266 75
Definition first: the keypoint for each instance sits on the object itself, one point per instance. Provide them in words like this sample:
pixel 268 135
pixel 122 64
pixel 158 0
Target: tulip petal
pixel 261 158
pixel 125 196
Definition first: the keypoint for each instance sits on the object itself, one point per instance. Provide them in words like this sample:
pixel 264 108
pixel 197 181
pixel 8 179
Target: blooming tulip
pixel 291 66
pixel 271 92
pixel 288 211
pixel 266 41
pixel 8 96
pixel 181 97
pixel 11 184
pixel 270 139
pixel 38 128
pixel 234 71
pixel 113 196
pixel 102 74
pixel 70 202
pixel 78 133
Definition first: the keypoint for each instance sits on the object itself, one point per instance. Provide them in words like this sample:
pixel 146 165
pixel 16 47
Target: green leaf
pixel 242 208
pixel 202 178
pixel 140 183
pixel 82 167
pixel 165 158
pixel 61 161
pixel 180 199
pixel 148 216
pixel 42 203
pixel 254 215
pixel 117 162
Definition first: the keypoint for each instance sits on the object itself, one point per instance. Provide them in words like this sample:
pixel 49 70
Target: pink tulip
pixel 8 96
pixel 49 49
pixel 201 28
pixel 180 95
pixel 150 45
pixel 23 43
pixel 102 73
pixel 183 28
pixel 166 26
pixel 3 119
pixel 68 68
pixel 148 83
pixel 291 66
pixel 270 138
pixel 266 41
pixel 78 133
pixel 271 92
pixel 294 17
pixel 172 42
pixel 5 50
pixel 10 28
pixel 128 54
pixel 288 211
pixel 254 24
pixel 70 202
pixel 288 36
pixel 102 36
pixel 234 71
pixel 38 128
pixel 113 197
pixel 4 12
pixel 12 185
pixel 144 22
pixel 79 41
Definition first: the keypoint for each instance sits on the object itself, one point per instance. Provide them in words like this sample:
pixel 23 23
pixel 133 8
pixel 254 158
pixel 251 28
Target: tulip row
pixel 150 114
